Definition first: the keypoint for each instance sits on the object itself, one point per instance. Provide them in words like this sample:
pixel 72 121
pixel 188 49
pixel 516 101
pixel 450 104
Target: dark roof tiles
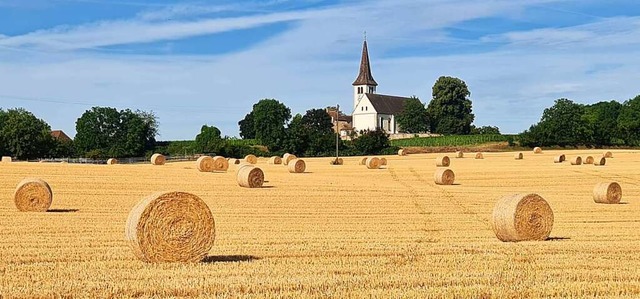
pixel 385 104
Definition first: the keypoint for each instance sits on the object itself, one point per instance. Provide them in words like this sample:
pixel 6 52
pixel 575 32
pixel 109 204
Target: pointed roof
pixel 365 77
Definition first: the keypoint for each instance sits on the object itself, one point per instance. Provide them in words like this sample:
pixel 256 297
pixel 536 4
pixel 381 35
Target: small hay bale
pixel 479 156
pixel 337 161
pixel 204 164
pixel 522 217
pixel 33 195
pixel 607 154
pixel 559 159
pixel 112 161
pixel 220 163
pixel 609 193
pixel 297 166
pixel 444 176
pixel 383 161
pixel 519 156
pixel 250 176
pixel 158 159
pixel 577 160
pixel 251 159
pixel 402 152
pixel 363 161
pixel 373 163
pixel 286 158
pixel 170 227
pixel 6 159
pixel 443 161
pixel 459 154
pixel 588 160
pixel 600 161
pixel 275 160
pixel 233 161
pixel 537 150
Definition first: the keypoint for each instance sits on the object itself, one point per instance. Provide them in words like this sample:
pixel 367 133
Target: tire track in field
pixel 620 178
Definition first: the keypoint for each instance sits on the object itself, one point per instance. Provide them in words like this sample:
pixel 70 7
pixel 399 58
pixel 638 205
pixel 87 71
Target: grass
pixel 450 140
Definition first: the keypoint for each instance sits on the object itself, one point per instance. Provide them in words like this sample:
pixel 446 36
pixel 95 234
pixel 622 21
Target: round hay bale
pixel 608 154
pixel 373 163
pixel 204 164
pixel 363 161
pixel 588 160
pixel 609 193
pixel 459 154
pixel 576 160
pixel 537 150
pixel 33 195
pixel 233 161
pixel 170 227
pixel 220 163
pixel 519 156
pixel 443 161
pixel 600 161
pixel 250 176
pixel 158 159
pixel 275 160
pixel 383 161
pixel 286 158
pixel 559 159
pixel 444 176
pixel 112 161
pixel 522 217
pixel 479 156
pixel 6 159
pixel 402 152
pixel 251 159
pixel 337 161
pixel 297 166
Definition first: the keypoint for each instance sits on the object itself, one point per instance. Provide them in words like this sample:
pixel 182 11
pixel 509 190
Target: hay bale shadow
pixel 62 210
pixel 557 239
pixel 229 258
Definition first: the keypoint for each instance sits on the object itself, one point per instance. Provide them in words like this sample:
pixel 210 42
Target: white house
pixel 372 110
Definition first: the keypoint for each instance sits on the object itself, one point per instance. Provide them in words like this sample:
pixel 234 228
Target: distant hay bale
pixel 158 159
pixel 250 176
pixel 459 154
pixel 6 159
pixel 204 164
pixel 601 161
pixel 522 217
pixel 373 163
pixel 443 161
pixel 297 166
pixel 383 161
pixel 233 161
pixel 479 156
pixel 363 161
pixel 577 160
pixel 286 158
pixel 402 152
pixel 607 154
pixel 220 163
pixel 444 176
pixel 588 160
pixel 170 227
pixel 251 159
pixel 537 150
pixel 337 161
pixel 275 160
pixel 559 159
pixel 112 161
pixel 519 156
pixel 33 195
pixel 609 193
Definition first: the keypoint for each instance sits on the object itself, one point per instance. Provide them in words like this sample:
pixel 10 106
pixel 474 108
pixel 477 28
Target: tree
pixel 209 140
pixel 450 109
pixel 371 142
pixel 602 119
pixel 297 140
pixel 247 131
pixel 319 130
pixel 24 135
pixel 629 121
pixel 414 117
pixel 562 124
pixel 269 118
pixel 485 130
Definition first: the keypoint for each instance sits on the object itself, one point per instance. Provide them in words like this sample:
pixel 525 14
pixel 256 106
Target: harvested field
pixel 343 232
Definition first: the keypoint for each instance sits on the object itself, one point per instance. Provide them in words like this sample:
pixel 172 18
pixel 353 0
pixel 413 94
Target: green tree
pixel 562 124
pixel 297 141
pixel 319 131
pixel 209 140
pixel 23 135
pixel 629 122
pixel 485 130
pixel 414 117
pixel 450 109
pixel 269 119
pixel 247 130
pixel 602 118
pixel 371 142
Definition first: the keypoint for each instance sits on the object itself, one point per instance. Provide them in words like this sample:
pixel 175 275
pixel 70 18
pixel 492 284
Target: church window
pixel 366 108
pixel 361 108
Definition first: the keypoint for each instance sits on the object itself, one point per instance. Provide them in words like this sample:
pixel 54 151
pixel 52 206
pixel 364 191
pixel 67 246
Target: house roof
pixel 365 77
pixel 60 135
pixel 341 117
pixel 387 104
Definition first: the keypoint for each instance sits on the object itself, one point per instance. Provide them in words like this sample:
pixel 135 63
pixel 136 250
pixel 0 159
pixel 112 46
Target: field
pixel 335 231
pixel 451 140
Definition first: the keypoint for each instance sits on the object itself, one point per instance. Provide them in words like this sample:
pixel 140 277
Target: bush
pixel 371 142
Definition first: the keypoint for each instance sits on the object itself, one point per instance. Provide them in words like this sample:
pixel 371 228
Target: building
pixel 60 135
pixel 343 122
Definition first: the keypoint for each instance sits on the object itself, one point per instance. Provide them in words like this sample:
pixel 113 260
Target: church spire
pixel 365 77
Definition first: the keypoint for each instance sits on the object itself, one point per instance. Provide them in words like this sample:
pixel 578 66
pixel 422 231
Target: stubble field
pixel 334 231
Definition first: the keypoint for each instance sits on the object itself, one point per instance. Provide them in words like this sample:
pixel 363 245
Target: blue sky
pixel 208 62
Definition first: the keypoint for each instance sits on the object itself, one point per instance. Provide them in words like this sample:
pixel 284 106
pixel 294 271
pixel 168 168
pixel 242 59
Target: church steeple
pixel 365 77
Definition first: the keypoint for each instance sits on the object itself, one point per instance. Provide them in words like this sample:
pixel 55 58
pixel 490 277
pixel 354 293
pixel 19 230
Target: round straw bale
pixel 250 176
pixel 158 159
pixel 522 217
pixel 383 161
pixel 373 163
pixel 337 161
pixel 33 195
pixel 577 160
pixel 6 159
pixel 275 160
pixel 297 166
pixel 444 176
pixel 519 156
pixel 588 160
pixel 204 164
pixel 537 150
pixel 601 161
pixel 609 192
pixel 170 227
pixel 402 152
pixel 608 154
pixel 363 161
pixel 220 163
pixel 251 159
pixel 233 161
pixel 112 161
pixel 443 161
pixel 459 154
pixel 479 156
pixel 559 159
pixel 286 158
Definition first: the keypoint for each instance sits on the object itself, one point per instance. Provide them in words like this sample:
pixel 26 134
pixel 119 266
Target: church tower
pixel 364 83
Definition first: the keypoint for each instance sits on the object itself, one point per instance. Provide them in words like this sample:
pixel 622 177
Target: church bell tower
pixel 364 83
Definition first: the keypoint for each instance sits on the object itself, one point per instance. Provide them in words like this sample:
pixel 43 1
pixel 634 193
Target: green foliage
pixel 629 122
pixel 209 140
pixel 450 109
pixel 450 140
pixel 414 117
pixel 297 140
pixel 319 131
pixel 485 130
pixel 371 142
pixel 562 124
pixel 268 119
pixel 247 130
pixel 62 149
pixel 602 119
pixel 23 135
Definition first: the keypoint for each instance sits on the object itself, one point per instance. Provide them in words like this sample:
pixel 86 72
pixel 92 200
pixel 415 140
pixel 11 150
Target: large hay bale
pixel 249 176
pixel 537 150
pixel 559 159
pixel 607 154
pixel 373 163
pixel 522 217
pixel 601 161
pixel 220 163
pixel 383 161
pixel 170 227
pixel 443 161
pixel 204 164
pixel 275 160
pixel 459 154
pixel 402 152
pixel 297 166
pixel 158 159
pixel 251 159
pixel 577 160
pixel 609 192
pixel 444 176
pixel 112 161
pixel 286 158
pixel 363 161
pixel 33 195
pixel 479 156
pixel 6 159
pixel 588 160
pixel 519 156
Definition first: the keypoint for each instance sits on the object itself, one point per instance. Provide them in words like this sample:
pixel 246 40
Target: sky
pixel 207 62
